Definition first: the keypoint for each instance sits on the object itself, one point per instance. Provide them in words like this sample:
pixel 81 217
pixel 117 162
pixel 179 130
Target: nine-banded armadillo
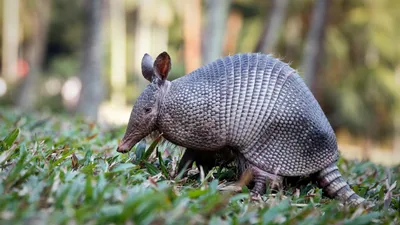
pixel 253 104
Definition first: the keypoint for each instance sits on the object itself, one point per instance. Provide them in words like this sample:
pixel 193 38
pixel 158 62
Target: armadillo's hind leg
pixel 335 186
pixel 260 177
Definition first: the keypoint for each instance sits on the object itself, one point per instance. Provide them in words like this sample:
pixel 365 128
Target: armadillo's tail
pixel 335 186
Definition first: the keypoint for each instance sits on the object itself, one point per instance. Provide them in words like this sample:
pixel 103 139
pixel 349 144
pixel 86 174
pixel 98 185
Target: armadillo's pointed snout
pixel 129 140
pixel 123 148
pixel 125 145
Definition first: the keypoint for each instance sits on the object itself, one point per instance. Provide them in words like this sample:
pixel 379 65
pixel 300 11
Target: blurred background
pixel 83 56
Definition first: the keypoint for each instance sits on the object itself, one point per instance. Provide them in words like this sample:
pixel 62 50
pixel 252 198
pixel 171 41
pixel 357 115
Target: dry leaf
pixel 74 162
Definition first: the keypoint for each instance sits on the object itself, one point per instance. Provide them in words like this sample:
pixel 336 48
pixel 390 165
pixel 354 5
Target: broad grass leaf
pixel 152 147
pixel 88 189
pixel 162 165
pixel 6 155
pixel 123 167
pixel 64 155
pixel 269 216
pixel 16 172
pixel 88 156
pixel 110 214
pixel 245 189
pixel 151 168
pixel 9 139
pixel 182 172
pixel 140 150
pixel 239 197
pixel 362 219
pixel 196 193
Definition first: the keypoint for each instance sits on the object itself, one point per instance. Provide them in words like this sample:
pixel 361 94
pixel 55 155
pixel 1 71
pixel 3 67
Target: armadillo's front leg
pixel 204 158
pixel 260 177
pixel 186 161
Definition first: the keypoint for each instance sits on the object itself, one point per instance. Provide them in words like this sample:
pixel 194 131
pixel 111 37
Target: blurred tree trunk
pixel 142 43
pixel 232 31
pixel 92 92
pixel 161 20
pixel 10 40
pixel 396 137
pixel 293 38
pixel 192 34
pixel 118 51
pixel 217 13
pixel 151 35
pixel 34 55
pixel 272 27
pixel 313 51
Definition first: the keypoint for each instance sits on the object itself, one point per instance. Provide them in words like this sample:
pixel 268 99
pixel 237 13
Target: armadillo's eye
pixel 147 110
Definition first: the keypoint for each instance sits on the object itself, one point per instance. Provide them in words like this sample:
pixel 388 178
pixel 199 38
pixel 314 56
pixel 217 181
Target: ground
pixel 63 170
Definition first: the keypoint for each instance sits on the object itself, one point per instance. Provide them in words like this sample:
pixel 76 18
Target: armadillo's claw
pixel 360 202
pixel 255 197
pixel 355 200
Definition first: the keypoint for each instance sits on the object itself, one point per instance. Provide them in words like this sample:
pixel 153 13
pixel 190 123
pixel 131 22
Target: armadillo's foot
pixel 255 197
pixel 358 201
pixel 260 178
pixel 367 204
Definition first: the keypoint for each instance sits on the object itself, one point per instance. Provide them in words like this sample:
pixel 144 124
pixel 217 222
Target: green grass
pixel 61 170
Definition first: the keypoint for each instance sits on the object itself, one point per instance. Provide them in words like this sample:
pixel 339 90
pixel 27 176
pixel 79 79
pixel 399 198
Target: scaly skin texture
pixel 260 107
pixel 252 104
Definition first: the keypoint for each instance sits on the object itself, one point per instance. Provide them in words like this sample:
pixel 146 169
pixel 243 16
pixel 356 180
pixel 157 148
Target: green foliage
pixel 57 170
pixel 66 29
pixel 9 140
pixel 362 56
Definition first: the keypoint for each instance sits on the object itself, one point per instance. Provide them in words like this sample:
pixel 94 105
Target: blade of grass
pixel 151 148
pixel 6 155
pixel 9 140
pixel 151 168
pixel 164 170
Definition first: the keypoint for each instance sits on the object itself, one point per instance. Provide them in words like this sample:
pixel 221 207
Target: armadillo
pixel 253 104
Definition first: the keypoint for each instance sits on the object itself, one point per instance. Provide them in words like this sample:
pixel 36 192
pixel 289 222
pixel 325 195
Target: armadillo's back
pixel 296 137
pixel 272 117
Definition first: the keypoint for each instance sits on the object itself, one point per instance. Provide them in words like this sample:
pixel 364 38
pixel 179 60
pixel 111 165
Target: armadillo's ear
pixel 162 65
pixel 147 67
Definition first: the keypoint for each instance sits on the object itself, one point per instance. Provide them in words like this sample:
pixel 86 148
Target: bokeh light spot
pixel 3 87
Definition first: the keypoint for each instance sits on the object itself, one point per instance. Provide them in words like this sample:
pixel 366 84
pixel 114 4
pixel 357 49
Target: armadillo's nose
pixel 123 148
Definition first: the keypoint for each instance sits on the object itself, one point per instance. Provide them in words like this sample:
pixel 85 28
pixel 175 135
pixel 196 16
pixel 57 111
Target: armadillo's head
pixel 145 111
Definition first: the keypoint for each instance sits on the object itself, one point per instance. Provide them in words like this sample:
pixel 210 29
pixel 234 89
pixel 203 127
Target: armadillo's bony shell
pixel 253 103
